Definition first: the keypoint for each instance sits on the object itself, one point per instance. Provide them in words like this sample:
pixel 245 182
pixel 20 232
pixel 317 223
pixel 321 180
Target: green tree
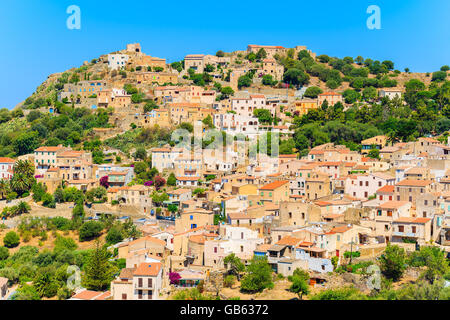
pixel 374 154
pixel 258 276
pixel 208 121
pixel 299 286
pixel 296 77
pixel 90 230
pixel 11 240
pixel 4 253
pixel 393 262
pixel 234 265
pixel 23 178
pixel 26 142
pixel 172 180
pixel 99 271
pixel 114 235
pixel 439 76
pixel 268 80
pixel 27 293
pixel 313 92
pixel 244 81
pixel 261 54
pixel 263 115
pixel 140 153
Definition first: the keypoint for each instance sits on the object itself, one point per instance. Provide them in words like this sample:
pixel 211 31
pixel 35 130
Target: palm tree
pixel 23 207
pixel 4 188
pixel 23 178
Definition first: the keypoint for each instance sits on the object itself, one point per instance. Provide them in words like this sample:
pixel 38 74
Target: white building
pixel 246 106
pixel 391 93
pixel 234 124
pixel 117 61
pixel 6 168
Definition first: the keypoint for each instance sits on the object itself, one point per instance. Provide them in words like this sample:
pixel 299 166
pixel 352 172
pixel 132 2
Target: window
pixel 401 229
pixel 140 282
pixel 150 282
pixel 140 294
pixel 124 296
pixel 414 230
pixel 389 213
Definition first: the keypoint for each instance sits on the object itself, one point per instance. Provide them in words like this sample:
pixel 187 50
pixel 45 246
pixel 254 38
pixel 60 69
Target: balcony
pixel 144 286
pixel 405 234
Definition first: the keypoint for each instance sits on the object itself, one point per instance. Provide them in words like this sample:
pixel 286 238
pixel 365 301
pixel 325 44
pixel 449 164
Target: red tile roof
pixel 274 185
pixel 148 269
pixel 386 189
pixel 414 183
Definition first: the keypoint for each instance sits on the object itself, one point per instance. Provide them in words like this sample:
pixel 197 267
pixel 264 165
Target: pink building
pixel 366 185
pixel 6 168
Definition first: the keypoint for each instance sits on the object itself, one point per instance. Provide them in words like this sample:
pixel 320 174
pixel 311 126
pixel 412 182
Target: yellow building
pixel 193 219
pixel 275 192
pixel 303 106
pixel 156 77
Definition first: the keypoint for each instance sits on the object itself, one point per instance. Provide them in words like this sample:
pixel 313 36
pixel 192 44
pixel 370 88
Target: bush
pixel 355 254
pixel 114 235
pixel 48 201
pixel 4 253
pixel 90 230
pixel 11 240
pixel 229 281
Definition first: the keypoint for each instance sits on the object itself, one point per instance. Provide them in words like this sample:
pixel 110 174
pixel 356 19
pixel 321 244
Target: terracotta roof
pixel 393 204
pixel 161 150
pixel 148 269
pixel 386 189
pixel 333 216
pixel 6 160
pixel 127 273
pixel 148 238
pixel 117 173
pixel 263 247
pixel 289 241
pixel 412 220
pixel 91 295
pixel 284 156
pixel 179 191
pixel 330 94
pixel 340 229
pixel 238 215
pixel 274 185
pixel 188 178
pixel 198 238
pixel 414 183
pixel 49 149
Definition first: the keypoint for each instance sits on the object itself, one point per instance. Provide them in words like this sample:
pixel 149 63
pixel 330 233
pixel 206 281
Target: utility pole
pixel 351 251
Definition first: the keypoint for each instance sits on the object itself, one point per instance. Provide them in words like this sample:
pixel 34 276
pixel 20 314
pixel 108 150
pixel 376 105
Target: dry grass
pixel 49 244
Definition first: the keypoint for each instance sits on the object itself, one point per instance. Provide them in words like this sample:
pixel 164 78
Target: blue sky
pixel 35 41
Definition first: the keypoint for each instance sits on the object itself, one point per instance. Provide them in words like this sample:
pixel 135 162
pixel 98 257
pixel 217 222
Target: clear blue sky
pixel 35 41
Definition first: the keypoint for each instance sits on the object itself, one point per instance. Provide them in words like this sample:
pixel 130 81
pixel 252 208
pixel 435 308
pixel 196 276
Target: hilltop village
pixel 351 169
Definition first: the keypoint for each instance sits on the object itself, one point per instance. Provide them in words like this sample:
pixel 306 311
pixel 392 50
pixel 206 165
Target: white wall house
pixel 117 61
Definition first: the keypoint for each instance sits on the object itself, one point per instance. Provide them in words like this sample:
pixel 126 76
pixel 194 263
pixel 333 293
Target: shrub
pixel 4 253
pixel 114 235
pixel 229 281
pixel 90 230
pixel 11 240
pixel 355 254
